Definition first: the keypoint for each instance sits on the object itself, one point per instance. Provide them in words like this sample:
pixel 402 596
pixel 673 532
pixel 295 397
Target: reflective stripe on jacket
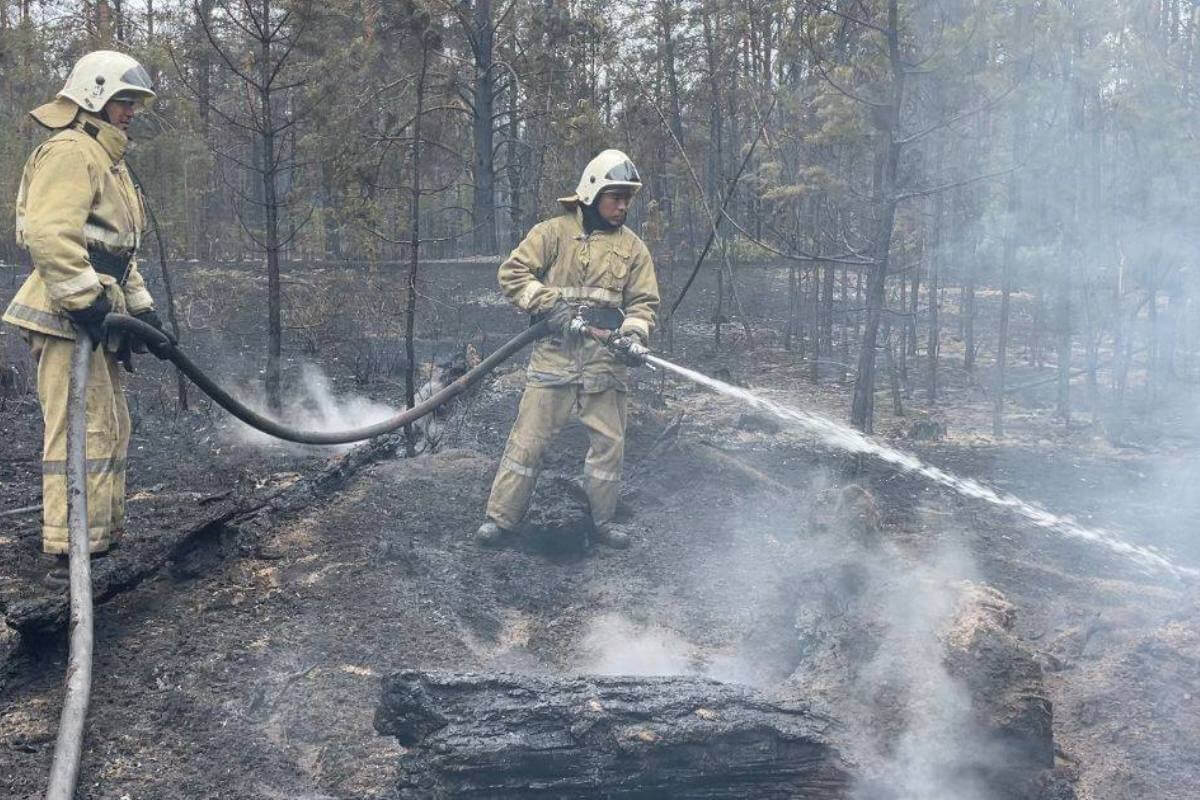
pixel 76 193
pixel 611 269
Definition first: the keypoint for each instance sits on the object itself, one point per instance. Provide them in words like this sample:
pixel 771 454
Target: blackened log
pixel 519 736
pixel 240 518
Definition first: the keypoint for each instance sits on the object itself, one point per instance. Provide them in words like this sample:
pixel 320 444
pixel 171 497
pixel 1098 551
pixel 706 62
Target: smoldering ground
pixel 820 605
pixel 875 627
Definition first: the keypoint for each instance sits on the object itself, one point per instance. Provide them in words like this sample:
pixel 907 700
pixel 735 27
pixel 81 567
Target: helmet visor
pixel 137 76
pixel 625 172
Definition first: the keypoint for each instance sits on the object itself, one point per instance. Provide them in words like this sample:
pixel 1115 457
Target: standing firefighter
pixel 81 218
pixel 584 256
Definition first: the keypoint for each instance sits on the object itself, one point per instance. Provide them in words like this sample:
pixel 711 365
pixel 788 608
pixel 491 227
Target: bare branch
pixel 847 17
pixel 989 104
pixel 212 40
pixel 956 184
pixel 843 91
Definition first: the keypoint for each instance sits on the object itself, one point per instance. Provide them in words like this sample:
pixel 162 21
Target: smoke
pixel 933 748
pixel 873 624
pixel 613 645
pixel 312 407
pixel 845 618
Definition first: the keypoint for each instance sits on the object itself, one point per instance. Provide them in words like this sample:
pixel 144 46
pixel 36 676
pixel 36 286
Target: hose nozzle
pixel 624 346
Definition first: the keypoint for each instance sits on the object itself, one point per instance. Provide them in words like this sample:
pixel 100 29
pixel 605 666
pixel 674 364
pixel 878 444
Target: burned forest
pixel 904 472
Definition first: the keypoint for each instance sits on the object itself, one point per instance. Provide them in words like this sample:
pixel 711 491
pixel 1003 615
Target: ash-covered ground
pixel 250 664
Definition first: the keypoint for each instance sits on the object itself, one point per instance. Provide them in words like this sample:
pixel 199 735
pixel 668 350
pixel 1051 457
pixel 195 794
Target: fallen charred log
pixel 243 517
pixel 519 736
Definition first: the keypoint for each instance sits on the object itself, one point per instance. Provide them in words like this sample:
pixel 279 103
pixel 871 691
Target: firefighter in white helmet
pixel 81 218
pixel 583 256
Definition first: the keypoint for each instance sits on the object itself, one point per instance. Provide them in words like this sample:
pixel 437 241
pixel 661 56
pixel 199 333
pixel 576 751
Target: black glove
pixel 91 318
pixel 629 348
pixel 125 351
pixel 150 317
pixel 559 318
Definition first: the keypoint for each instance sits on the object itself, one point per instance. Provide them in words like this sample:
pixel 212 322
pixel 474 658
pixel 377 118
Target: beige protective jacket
pixel 610 269
pixel 75 193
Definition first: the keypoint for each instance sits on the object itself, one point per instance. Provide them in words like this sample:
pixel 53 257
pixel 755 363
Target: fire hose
pixel 159 341
pixel 64 770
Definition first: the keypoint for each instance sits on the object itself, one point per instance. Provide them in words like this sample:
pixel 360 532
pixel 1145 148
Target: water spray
pixel 844 437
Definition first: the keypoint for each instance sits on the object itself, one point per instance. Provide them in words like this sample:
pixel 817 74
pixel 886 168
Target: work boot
pixel 612 535
pixel 59 576
pixel 489 534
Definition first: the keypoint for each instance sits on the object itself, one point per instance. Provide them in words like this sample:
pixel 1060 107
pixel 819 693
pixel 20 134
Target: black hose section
pixel 152 335
pixel 64 769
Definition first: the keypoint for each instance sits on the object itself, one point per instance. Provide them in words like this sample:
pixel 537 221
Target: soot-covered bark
pixel 519 736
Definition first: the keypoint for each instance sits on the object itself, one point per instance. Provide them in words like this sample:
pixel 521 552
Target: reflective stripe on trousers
pixel 107 443
pixel 543 412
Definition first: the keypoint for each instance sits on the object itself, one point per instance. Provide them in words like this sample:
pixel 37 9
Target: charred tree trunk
pixel 968 263
pixel 801 328
pixel 1062 324
pixel 888 120
pixel 789 329
pixel 410 307
pixel 517 156
pixel 1010 241
pixel 719 311
pixel 484 97
pixel 168 292
pixel 821 344
pixel 202 242
pixel 827 310
pixel 271 210
pixel 903 349
pixel 844 343
pixel 914 307
pixel 518 736
pixel 668 17
pixel 934 290
pixel 893 374
pixel 1092 334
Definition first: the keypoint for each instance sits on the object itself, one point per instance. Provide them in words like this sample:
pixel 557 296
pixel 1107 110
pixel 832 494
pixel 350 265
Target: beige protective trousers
pixel 107 442
pixel 543 412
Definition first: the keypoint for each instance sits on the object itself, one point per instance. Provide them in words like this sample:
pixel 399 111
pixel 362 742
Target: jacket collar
pixel 108 136
pixel 582 233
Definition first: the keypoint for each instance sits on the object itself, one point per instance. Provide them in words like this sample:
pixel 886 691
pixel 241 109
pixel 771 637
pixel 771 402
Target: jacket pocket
pixel 616 265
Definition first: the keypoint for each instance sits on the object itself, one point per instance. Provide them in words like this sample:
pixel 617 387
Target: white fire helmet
pixel 95 79
pixel 611 168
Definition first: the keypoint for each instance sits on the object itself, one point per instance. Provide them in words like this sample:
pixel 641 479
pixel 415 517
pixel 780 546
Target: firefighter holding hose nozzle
pixel 81 218
pixel 585 256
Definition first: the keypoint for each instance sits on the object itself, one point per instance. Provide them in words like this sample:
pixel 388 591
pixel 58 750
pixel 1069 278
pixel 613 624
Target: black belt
pixel 608 319
pixel 109 263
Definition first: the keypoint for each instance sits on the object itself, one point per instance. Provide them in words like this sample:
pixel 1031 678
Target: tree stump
pixel 520 736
